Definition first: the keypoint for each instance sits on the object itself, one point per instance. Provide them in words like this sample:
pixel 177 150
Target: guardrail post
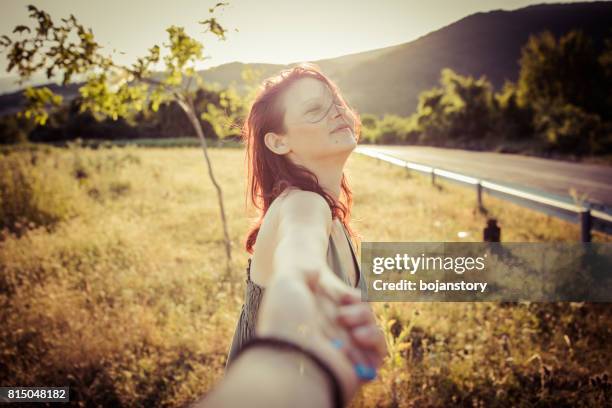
pixel 492 232
pixel 479 194
pixel 433 176
pixel 585 225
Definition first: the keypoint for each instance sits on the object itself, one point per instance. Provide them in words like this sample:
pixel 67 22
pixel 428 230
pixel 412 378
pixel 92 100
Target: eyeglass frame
pixel 334 101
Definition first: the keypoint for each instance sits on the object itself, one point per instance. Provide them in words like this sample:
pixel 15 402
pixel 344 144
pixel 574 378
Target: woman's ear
pixel 277 143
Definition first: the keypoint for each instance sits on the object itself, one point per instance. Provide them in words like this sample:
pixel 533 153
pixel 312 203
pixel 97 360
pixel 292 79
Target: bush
pixel 569 129
pixel 391 129
pixel 514 121
pixel 41 187
pixel 460 111
pixel 13 130
pixel 368 129
pixel 30 195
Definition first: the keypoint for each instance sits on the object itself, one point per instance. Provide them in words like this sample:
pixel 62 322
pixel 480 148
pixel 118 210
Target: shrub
pixel 569 129
pixel 32 195
pixel 13 130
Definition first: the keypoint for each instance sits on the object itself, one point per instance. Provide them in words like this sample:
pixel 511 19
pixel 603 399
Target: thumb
pixel 338 291
pixel 311 277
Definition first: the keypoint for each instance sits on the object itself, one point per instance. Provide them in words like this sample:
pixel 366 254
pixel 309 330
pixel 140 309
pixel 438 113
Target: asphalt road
pixel 554 177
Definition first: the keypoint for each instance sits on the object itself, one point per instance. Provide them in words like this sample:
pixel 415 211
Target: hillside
pixel 482 44
pixel 388 80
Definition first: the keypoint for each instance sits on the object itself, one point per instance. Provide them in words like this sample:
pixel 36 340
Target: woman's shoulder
pixel 294 203
pixel 299 207
pixel 270 219
pixel 296 200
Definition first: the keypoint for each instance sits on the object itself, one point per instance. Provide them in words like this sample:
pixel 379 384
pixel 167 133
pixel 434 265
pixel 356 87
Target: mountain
pixel 481 44
pixel 389 80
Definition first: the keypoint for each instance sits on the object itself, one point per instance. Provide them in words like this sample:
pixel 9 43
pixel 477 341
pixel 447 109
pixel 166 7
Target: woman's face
pixel 318 125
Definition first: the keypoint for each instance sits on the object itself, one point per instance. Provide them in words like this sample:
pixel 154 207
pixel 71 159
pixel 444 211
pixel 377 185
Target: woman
pixel 299 134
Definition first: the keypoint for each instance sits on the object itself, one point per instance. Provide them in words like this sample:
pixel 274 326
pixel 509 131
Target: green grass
pixel 120 296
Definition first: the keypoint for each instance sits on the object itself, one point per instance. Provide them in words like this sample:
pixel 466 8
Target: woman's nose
pixel 339 111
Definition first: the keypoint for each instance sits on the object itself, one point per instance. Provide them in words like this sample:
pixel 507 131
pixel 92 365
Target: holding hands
pixel 316 344
pixel 323 315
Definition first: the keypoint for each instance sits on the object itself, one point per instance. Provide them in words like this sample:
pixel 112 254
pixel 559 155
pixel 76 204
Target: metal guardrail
pixel 588 218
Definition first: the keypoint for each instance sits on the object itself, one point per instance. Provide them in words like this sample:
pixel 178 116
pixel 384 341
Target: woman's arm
pixel 302 235
pixel 304 225
pixel 303 229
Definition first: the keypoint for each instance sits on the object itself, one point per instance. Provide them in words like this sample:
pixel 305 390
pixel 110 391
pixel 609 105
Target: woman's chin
pixel 351 141
pixel 344 147
pixel 344 137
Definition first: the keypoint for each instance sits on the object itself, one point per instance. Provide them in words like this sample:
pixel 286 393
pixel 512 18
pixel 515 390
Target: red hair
pixel 268 173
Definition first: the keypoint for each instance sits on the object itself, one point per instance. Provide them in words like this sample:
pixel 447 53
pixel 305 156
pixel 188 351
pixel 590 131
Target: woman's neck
pixel 330 179
pixel 329 173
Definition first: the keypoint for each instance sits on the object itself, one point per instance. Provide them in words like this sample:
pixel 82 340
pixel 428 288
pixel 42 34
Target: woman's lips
pixel 343 127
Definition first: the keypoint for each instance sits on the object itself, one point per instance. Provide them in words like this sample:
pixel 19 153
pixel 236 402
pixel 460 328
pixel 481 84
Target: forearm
pixel 271 378
pixel 295 253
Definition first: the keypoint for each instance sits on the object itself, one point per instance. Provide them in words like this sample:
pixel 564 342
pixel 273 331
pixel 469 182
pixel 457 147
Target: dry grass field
pixel 110 282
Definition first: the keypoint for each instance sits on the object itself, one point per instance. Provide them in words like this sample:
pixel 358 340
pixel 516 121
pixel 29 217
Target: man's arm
pixel 264 377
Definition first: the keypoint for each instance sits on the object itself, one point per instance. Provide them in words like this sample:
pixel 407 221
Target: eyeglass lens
pixel 318 112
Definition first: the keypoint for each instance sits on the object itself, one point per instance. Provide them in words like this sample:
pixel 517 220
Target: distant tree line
pixel 70 122
pixel 561 103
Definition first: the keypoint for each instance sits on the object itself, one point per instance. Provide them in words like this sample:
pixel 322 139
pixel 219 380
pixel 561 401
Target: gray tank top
pixel 245 329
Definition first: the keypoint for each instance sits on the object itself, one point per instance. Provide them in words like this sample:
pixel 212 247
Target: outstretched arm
pixel 292 310
pixel 271 378
pixel 302 236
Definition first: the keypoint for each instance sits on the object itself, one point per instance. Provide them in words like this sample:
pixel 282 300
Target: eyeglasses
pixel 320 111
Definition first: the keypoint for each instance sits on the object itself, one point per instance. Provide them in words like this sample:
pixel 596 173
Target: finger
pixel 328 325
pixel 357 314
pixel 335 289
pixel 354 296
pixel 372 353
pixel 364 362
pixel 373 359
pixel 371 338
pixel 342 367
pixel 339 335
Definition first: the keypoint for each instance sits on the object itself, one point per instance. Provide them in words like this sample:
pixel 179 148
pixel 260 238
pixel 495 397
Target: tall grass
pixel 115 290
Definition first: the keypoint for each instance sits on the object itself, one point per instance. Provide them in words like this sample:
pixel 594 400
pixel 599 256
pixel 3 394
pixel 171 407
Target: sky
pixel 272 31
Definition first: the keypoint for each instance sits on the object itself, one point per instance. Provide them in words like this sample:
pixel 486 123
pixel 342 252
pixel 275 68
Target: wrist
pixel 298 377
